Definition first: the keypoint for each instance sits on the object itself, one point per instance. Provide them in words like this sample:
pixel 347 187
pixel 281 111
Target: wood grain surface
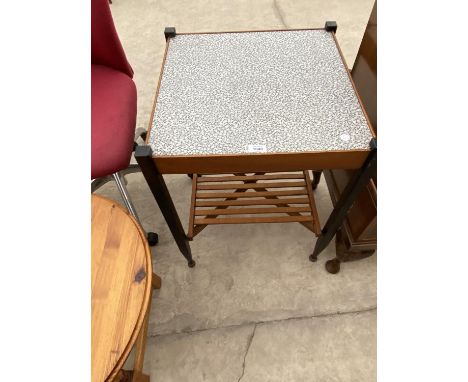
pixel 266 162
pixel 237 205
pixel 121 280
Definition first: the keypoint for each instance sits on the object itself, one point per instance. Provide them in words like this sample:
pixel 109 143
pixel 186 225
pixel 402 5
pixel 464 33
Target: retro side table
pixel 256 102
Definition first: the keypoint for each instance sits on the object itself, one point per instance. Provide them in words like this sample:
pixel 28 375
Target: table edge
pixel 252 31
pixel 146 299
pixel 253 162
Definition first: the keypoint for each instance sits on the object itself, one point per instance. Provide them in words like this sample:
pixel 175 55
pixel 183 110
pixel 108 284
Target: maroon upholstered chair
pixel 113 107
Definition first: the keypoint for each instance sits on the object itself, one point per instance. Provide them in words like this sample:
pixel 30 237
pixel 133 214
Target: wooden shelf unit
pixel 256 198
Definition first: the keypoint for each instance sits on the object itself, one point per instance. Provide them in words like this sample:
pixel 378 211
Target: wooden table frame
pixel 154 166
pixel 136 375
pixel 137 339
pixel 238 201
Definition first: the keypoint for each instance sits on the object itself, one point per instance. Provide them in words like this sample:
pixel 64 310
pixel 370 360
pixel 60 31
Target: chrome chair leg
pixel 118 177
pixel 120 181
pixel 99 182
pixel 131 169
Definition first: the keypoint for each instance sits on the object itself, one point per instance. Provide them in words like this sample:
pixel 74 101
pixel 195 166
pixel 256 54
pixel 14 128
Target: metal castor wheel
pixel 333 266
pixel 153 238
pixel 313 258
pixel 190 176
pixel 191 264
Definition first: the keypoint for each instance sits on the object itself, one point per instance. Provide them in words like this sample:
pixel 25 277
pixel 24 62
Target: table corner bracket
pixel 143 151
pixel 169 32
pixel 331 26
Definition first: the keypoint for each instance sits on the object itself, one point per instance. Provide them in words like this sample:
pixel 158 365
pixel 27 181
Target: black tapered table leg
pixel 157 185
pixel 316 178
pixel 355 186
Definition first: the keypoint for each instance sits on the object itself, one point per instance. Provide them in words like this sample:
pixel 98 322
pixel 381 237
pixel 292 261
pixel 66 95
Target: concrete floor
pixel 254 308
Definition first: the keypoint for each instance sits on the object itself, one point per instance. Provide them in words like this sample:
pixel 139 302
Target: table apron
pixel 219 164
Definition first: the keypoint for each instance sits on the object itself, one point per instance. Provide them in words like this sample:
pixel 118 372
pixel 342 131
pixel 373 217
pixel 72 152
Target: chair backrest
pixel 106 48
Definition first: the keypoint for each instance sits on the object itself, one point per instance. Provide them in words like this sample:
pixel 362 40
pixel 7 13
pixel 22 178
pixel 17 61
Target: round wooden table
pixel 121 283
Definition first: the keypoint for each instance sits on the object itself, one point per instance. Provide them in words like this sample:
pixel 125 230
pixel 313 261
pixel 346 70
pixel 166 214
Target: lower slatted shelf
pixel 252 198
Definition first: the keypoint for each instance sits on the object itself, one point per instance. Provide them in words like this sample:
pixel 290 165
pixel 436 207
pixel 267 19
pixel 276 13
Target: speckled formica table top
pixel 273 92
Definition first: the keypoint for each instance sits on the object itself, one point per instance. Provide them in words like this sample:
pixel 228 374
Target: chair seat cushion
pixel 113 119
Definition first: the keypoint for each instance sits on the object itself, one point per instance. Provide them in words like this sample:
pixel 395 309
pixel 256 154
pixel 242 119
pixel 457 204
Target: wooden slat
pixel 234 178
pixel 271 219
pixel 233 186
pixel 244 211
pixel 308 225
pixel 198 228
pixel 250 202
pixel 215 195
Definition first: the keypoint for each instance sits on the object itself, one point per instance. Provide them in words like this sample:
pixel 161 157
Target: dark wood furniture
pixel 357 238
